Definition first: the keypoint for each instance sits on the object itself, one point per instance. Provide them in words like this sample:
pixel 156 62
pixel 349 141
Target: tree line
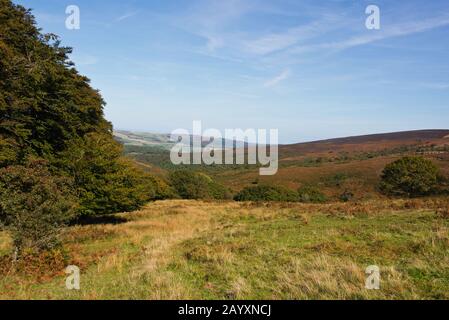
pixel 58 157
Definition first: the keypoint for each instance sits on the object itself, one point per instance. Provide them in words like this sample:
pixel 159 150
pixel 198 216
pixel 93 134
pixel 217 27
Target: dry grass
pixel 206 250
pixel 362 177
pixel 5 242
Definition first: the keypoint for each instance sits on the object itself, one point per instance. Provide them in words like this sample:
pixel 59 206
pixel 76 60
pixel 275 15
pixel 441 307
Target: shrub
pixel 346 196
pixel 194 185
pixel 42 265
pixel 335 180
pixel 311 194
pixel 266 193
pixel 34 205
pixel 410 177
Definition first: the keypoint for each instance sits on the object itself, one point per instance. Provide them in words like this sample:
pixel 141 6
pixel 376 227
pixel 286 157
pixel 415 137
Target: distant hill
pixel 157 140
pixel 335 165
pixel 129 138
pixel 367 143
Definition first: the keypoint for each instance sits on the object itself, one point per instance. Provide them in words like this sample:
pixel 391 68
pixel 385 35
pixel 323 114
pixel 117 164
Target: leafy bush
pixel 266 193
pixel 311 194
pixel 410 177
pixel 193 185
pixel 34 205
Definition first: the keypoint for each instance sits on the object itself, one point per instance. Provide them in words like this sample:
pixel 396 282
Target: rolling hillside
pixel 365 143
pixel 368 143
pixel 351 164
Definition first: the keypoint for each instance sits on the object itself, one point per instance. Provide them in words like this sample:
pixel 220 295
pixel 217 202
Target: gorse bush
pixel 34 205
pixel 410 177
pixel 311 194
pixel 266 193
pixel 194 185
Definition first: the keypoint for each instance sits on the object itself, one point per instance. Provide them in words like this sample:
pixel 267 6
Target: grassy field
pixel 206 250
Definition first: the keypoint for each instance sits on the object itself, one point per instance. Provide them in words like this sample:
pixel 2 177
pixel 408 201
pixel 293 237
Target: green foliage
pixel 311 194
pixel 48 110
pixel 34 205
pixel 410 177
pixel 193 185
pixel 105 181
pixel 162 189
pixel 44 102
pixel 266 193
pixel 335 180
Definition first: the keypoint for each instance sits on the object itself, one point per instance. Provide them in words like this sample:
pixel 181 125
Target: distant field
pixel 206 250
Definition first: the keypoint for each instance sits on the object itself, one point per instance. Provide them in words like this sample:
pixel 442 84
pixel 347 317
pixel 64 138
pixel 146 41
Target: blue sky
pixel 308 68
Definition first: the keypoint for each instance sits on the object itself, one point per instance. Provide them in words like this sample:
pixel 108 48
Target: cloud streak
pixel 278 79
pixel 374 36
pixel 126 16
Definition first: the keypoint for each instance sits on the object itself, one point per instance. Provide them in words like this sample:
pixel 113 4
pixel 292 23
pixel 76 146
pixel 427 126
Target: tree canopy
pixel 49 111
pixel 410 176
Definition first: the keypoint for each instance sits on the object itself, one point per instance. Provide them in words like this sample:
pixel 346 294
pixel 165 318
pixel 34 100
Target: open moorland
pixel 334 166
pixel 207 250
pixel 362 217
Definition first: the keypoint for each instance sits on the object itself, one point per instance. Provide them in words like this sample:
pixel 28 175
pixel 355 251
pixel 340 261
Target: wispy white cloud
pixel 387 32
pixel 273 42
pixel 279 78
pixel 126 16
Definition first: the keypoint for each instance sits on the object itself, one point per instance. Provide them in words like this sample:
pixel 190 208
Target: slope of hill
pixel 161 140
pixel 365 143
pixel 368 143
pixel 141 139
pixel 351 164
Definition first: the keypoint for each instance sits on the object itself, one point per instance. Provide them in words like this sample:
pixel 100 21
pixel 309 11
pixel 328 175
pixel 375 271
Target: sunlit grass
pixel 206 250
